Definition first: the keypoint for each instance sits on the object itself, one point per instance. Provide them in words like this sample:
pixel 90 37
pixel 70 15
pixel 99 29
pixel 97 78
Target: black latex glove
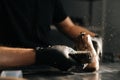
pixel 56 56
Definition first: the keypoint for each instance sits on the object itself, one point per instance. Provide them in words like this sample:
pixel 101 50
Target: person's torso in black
pixel 25 23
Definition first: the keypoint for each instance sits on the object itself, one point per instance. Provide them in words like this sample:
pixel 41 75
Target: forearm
pixel 72 30
pixel 75 31
pixel 12 57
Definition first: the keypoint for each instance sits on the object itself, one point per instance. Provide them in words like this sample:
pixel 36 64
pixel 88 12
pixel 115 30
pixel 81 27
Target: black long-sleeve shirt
pixel 26 23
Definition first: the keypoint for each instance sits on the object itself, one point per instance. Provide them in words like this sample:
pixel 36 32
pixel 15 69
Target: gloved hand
pixel 56 56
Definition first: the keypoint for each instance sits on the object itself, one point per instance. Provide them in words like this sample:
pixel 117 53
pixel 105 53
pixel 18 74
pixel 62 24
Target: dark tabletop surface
pixel 108 71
